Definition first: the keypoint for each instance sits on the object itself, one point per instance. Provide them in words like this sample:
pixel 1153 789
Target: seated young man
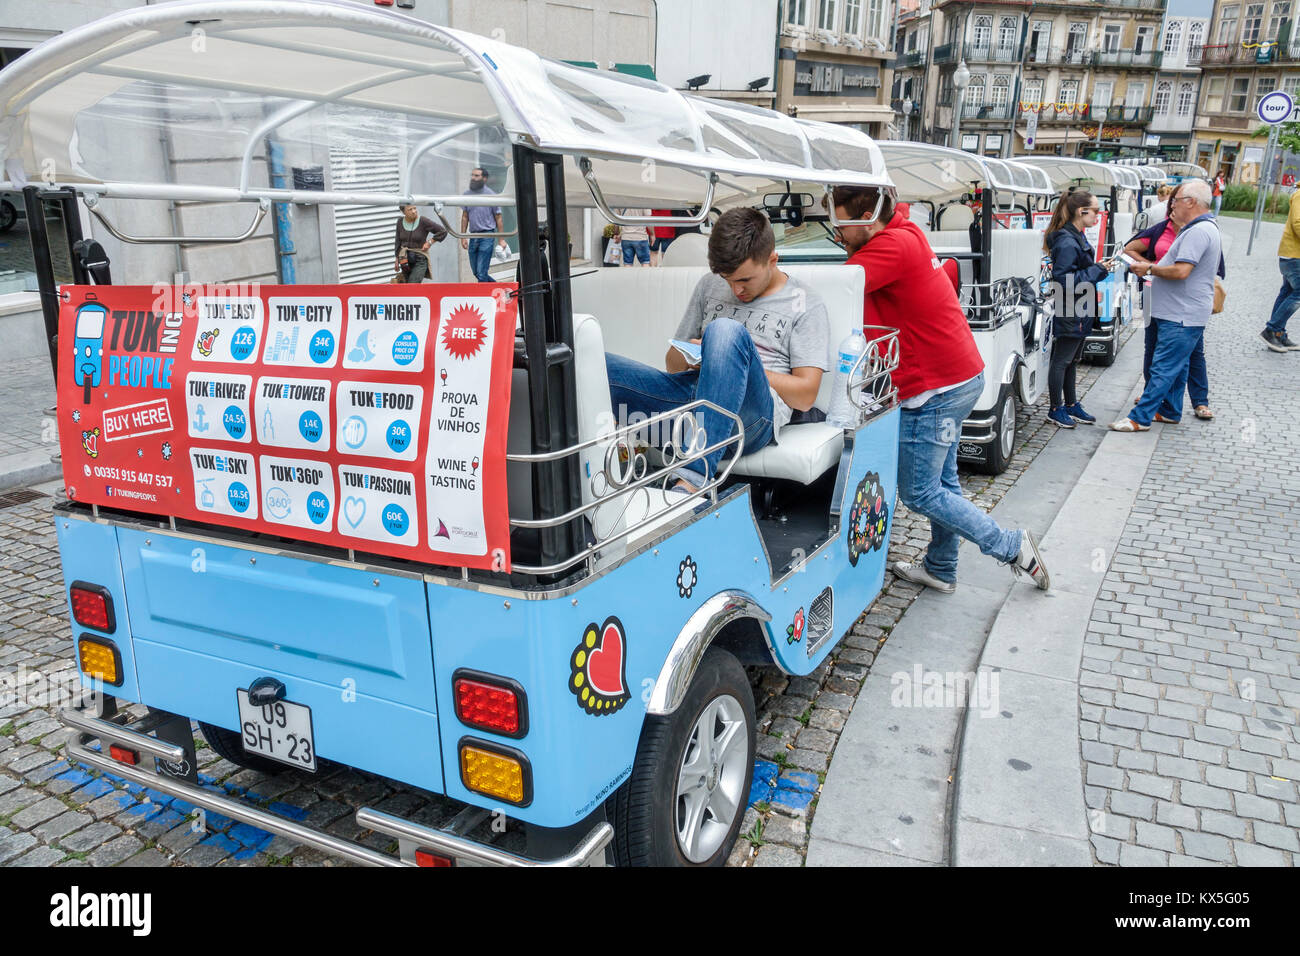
pixel 765 343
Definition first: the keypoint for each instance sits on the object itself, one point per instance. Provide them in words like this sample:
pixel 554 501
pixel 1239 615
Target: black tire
pixel 8 215
pixel 230 745
pixel 644 809
pixel 997 454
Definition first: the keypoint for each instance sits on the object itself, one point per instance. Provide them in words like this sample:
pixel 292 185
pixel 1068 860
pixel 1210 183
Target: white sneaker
pixel 917 574
pixel 1030 562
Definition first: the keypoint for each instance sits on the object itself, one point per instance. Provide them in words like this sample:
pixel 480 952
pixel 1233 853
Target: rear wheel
pixel 689 787
pixel 8 215
pixel 230 745
pixel 996 455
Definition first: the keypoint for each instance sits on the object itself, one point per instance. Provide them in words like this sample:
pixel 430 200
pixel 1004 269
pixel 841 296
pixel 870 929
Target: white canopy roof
pixel 937 173
pixel 1064 171
pixel 332 72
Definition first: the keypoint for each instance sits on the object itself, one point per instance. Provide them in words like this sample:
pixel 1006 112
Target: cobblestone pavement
pixel 26 391
pixel 1191 671
pixel 52 813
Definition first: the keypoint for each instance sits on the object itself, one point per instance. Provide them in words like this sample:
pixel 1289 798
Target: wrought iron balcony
pixel 946 53
pixel 912 58
pixel 1122 114
pixel 1056 56
pixel 992 54
pixel 987 111
pixel 1148 58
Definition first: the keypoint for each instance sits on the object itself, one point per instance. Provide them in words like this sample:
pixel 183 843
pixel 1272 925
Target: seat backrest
pixel 956 216
pixel 639 309
pixel 1015 253
pixel 688 249
pixel 1124 228
pixel 950 240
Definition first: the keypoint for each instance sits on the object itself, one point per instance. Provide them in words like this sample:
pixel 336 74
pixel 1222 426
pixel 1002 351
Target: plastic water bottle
pixel 843 413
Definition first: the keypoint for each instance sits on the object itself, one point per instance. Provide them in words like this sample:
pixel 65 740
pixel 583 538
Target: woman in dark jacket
pixel 1075 274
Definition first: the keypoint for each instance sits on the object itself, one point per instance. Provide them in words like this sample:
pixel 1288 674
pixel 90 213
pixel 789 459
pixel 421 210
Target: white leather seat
pixel 639 310
pixel 957 216
pixel 688 249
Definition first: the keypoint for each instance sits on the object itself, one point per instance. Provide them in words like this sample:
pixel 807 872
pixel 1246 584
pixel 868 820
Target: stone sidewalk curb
pixel 886 798
pixel 1018 799
pixel 27 468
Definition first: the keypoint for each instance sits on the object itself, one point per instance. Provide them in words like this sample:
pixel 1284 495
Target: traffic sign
pixel 1275 107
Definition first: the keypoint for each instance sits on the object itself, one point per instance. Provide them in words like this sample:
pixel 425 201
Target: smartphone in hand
pixel 691 351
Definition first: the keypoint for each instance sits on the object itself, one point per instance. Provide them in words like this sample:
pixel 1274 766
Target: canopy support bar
pixel 92 204
pixel 589 174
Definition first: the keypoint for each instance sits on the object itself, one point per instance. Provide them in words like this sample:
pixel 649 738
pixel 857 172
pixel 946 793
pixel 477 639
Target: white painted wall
pixel 733 40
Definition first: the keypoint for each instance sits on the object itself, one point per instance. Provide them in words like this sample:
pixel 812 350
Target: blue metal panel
pixel 89 553
pixel 580 751
pixel 351 645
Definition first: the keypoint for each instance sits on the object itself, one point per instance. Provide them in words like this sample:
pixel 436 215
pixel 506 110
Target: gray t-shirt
pixel 789 328
pixel 1189 301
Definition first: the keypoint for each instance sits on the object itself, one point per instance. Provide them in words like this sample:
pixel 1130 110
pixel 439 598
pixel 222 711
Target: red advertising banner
pixel 372 418
pixel 1011 220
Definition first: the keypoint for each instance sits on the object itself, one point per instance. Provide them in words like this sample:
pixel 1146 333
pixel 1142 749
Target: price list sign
pixel 372 418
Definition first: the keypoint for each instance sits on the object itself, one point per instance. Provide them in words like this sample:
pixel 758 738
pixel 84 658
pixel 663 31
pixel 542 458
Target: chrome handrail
pixel 92 203
pixel 618 219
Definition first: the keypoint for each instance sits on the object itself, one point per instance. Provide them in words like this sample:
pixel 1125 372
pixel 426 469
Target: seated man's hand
pixel 676 362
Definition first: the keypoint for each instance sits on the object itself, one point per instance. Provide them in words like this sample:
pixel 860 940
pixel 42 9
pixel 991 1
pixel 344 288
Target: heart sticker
pixel 598 668
pixel 354 511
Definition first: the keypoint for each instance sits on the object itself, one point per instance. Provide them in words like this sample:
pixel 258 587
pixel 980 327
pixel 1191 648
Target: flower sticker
pixel 794 632
pixel 687 577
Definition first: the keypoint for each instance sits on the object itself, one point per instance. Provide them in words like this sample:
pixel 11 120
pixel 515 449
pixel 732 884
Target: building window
pixel 1291 87
pixel 1164 93
pixel 1186 98
pixel 853 21
pixel 1075 44
pixel 1195 40
pixel 1238 99
pixel 1008 28
pixel 875 19
pixel 1228 23
pixel 982 34
pixel 1069 93
pixel 828 16
pixel 1250 23
pixel 1102 91
pixel 1032 96
pixel 1110 38
pixel 1040 40
pixel 1263 86
pixel 975 92
pixel 1214 95
pixel 1145 40
pixel 1279 15
pixel 796 12
pixel 1001 92
pixel 1173 37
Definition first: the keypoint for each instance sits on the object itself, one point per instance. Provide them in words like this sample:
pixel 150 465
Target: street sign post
pixel 1274 109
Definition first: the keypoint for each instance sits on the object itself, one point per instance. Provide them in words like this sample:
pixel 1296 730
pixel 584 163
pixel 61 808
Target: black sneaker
pixel 1273 340
pixel 1286 342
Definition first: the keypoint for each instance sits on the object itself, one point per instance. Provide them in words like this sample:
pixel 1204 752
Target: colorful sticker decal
pixel 303 331
pixel 225 482
pixel 88 366
pixel 868 518
pixel 598 668
pixel 297 492
pixel 293 412
pixel 794 631
pixel 687 577
pixel 378 419
pixel 90 442
pixel 229 329
pixel 216 406
pixel 458 424
pixel 386 333
pixel 378 505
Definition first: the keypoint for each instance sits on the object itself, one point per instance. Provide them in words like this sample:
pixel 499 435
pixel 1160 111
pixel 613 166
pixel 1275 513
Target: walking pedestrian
pixel 415 234
pixel 1075 274
pixel 481 219
pixel 1220 184
pixel 1149 246
pixel 939 378
pixel 1288 297
pixel 1182 298
pixel 636 239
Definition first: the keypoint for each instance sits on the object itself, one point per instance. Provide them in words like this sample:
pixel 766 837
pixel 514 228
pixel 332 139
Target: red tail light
pixel 122 755
pixel 92 606
pixel 428 858
pixel 491 703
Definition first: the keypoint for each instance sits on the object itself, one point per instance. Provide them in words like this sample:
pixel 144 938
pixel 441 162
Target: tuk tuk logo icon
pixel 206 341
pixel 687 577
pixel 598 668
pixel 90 442
pixel 794 632
pixel 464 332
pixel 868 518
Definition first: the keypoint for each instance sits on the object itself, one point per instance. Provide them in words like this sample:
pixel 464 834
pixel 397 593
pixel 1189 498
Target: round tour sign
pixel 1275 107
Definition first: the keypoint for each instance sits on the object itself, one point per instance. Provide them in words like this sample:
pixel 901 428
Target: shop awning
pixel 848 114
pixel 1055 137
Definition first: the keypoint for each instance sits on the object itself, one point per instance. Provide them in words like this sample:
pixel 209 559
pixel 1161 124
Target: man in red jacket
pixel 940 376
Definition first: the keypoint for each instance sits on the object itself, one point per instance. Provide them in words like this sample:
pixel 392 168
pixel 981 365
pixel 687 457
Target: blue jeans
pixel 730 376
pixel 1288 296
pixel 1198 379
pixel 480 257
pixel 1175 344
pixel 638 247
pixel 927 482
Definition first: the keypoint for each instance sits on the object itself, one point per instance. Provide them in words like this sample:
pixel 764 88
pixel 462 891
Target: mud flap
pixel 176 730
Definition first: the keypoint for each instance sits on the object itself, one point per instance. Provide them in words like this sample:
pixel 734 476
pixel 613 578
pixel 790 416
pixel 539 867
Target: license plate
pixel 281 731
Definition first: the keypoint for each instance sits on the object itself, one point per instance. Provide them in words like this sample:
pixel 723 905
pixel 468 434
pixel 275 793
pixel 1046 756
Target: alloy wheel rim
pixel 710 779
pixel 1008 436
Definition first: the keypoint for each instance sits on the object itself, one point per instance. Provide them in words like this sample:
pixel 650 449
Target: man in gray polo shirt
pixel 480 219
pixel 1182 297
